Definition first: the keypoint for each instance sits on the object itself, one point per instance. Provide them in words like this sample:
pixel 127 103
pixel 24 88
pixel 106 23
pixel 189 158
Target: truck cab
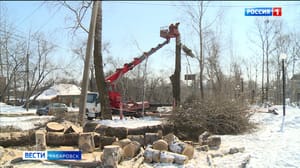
pixel 93 107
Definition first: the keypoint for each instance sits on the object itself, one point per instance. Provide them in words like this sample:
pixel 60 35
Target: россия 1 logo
pixel 275 11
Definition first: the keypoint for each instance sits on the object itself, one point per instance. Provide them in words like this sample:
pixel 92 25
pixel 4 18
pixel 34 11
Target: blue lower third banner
pixel 63 155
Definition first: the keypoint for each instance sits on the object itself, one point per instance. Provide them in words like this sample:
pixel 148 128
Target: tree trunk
pixel 98 62
pixel 175 78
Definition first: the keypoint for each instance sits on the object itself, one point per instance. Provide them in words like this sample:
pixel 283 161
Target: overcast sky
pixel 133 27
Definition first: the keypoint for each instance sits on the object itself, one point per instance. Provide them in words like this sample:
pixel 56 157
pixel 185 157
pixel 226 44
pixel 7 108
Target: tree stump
pixel 111 156
pixel 55 127
pixel 40 140
pixel 86 142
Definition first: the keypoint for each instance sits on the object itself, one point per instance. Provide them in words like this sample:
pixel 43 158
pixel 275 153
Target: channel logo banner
pixel 34 155
pixel 52 155
pixel 275 11
pixel 63 155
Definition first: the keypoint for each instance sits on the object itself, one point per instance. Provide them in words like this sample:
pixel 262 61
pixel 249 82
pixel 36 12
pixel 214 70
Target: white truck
pixel 93 107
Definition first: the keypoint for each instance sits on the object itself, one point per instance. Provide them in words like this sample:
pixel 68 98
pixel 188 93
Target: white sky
pixel 127 24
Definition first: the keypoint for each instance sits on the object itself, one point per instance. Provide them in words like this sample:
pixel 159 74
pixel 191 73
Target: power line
pixel 30 15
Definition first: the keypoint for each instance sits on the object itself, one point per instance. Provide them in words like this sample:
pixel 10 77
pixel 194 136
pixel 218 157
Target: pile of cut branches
pixel 218 116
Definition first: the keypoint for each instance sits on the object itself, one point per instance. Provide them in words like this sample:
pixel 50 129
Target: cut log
pixel 177 147
pixel 214 141
pixel 156 156
pixel 203 138
pixel 120 132
pixel 97 139
pixel 188 151
pixel 55 138
pixel 170 138
pixel 90 126
pixel 180 159
pixel 130 150
pixel 40 140
pixel 151 155
pixel 71 139
pixel 73 128
pixel 138 138
pixel 86 142
pixel 166 157
pixel 111 156
pixel 161 145
pixel 148 155
pixel 106 140
pixel 55 127
pixel 150 138
pixel 122 142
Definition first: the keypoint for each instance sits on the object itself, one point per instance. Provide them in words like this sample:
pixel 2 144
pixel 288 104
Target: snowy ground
pixel 18 117
pixel 131 122
pixel 7 109
pixel 268 146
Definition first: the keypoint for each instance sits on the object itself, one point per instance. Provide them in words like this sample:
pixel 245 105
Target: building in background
pixel 68 94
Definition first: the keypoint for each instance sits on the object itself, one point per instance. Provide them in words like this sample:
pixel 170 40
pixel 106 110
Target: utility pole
pixel 27 79
pixel 85 78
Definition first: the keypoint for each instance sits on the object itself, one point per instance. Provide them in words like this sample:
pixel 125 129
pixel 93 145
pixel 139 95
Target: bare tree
pixel 197 13
pixel 267 31
pixel 98 62
pixel 41 66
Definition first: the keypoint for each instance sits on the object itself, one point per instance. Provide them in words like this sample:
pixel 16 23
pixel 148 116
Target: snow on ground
pixel 131 122
pixel 23 119
pixel 7 109
pixel 268 146
pixel 24 122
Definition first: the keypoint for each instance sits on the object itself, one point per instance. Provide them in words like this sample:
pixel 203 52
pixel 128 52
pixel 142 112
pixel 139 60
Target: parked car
pixel 52 108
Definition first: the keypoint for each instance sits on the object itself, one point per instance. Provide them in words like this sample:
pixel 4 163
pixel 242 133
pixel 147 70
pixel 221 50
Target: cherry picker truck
pixel 129 108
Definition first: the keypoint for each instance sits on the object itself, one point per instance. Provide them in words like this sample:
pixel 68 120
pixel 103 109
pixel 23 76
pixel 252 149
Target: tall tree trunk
pixel 175 78
pixel 201 59
pixel 99 73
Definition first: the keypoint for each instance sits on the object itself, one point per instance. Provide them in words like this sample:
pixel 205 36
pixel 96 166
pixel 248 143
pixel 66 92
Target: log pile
pixel 169 149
